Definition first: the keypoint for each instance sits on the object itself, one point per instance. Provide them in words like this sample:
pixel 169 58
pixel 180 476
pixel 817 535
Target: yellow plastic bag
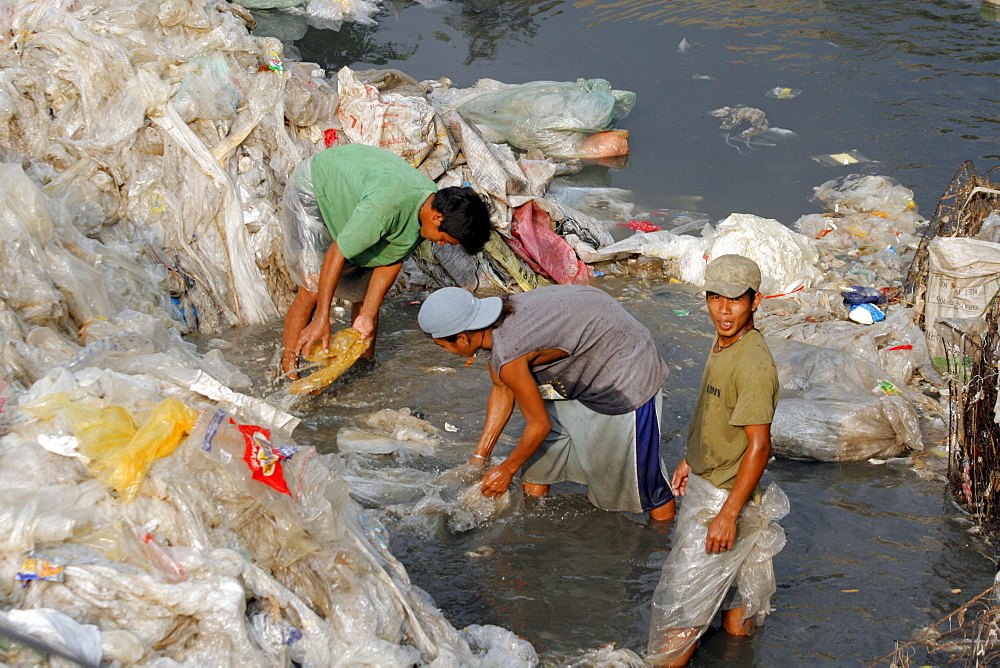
pixel 119 454
pixel 97 429
pixel 346 347
pixel 125 469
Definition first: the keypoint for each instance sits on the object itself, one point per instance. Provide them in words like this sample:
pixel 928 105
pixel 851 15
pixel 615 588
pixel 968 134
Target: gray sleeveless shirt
pixel 613 365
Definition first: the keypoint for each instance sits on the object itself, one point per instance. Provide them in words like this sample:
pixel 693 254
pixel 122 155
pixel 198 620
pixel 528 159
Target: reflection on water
pixel 911 84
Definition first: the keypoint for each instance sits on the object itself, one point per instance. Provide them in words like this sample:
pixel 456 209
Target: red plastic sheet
pixel 547 253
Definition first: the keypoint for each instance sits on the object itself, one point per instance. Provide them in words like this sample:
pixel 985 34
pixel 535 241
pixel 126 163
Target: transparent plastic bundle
pixel 500 647
pixel 694 582
pixel 402 425
pixel 309 97
pixel 554 117
pixel 857 193
pixel 836 406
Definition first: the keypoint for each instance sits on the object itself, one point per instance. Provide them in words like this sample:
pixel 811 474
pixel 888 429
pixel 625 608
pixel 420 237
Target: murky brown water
pixel 873 553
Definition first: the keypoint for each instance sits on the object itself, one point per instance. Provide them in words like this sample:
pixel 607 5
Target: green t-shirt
pixel 739 388
pixel 370 199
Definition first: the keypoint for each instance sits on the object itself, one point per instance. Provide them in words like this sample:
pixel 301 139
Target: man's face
pixel 430 227
pixel 461 346
pixel 731 316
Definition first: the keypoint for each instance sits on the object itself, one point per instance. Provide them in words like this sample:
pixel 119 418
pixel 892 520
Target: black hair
pixel 466 216
pixel 505 310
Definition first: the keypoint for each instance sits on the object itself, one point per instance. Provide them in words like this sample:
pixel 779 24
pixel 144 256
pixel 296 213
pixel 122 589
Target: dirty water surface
pixel 875 553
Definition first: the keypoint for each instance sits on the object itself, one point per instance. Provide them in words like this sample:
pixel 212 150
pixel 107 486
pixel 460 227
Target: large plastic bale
pixel 552 116
pixel 787 259
pixel 963 276
pixel 405 125
pixel 837 407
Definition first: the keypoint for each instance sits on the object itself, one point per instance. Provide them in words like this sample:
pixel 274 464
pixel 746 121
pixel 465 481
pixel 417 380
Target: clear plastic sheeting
pixel 836 407
pixel 427 503
pixel 694 582
pixel 181 575
pixel 500 647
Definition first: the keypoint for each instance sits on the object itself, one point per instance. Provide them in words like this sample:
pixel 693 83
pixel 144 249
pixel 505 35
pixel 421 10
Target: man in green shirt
pixel 351 215
pixel 727 532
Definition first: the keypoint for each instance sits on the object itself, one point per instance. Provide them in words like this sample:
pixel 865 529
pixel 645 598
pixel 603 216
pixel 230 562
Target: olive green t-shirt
pixel 370 199
pixel 739 387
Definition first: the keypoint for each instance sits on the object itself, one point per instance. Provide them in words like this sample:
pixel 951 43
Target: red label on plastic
pixel 264 462
pixel 329 136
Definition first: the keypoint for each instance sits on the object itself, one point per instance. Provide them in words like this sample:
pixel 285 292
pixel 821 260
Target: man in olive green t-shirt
pixel 351 215
pixel 729 444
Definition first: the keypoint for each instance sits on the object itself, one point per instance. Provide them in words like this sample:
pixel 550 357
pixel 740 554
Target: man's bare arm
pixel 722 530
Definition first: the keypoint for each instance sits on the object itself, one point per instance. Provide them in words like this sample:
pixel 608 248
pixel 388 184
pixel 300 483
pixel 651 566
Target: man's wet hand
pixel 315 331
pixel 365 324
pixel 721 535
pixel 496 481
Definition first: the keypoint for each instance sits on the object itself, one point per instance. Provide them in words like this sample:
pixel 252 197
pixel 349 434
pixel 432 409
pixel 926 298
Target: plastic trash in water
pixel 346 347
pixel 783 93
pixel 851 157
pixel 641 226
pixel 858 294
pixel 866 314
pixel 679 312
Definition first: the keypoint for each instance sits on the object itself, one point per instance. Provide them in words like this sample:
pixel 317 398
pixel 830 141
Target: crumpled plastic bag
pixel 694 582
pixel 787 259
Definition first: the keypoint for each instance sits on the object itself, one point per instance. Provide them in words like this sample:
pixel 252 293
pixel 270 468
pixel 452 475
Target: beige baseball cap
pixel 731 276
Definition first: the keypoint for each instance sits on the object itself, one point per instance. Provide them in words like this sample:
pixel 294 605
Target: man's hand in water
pixel 365 324
pixel 496 481
pixel 318 330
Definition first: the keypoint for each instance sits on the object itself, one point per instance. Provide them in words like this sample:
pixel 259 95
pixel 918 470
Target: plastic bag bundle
pixel 554 117
pixel 865 194
pixel 694 582
pixel 836 406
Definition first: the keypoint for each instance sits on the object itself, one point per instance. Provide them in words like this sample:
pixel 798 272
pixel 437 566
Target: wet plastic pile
pixel 154 512
pixel 147 494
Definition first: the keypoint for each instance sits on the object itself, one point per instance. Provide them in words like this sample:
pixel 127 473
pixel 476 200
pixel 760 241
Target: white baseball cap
pixel 449 311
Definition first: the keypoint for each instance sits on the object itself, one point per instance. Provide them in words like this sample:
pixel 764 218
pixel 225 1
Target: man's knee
pixel 531 489
pixel 665 512
pixel 734 624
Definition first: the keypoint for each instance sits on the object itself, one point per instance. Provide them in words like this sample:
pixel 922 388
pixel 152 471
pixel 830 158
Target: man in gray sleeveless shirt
pixel 585 375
